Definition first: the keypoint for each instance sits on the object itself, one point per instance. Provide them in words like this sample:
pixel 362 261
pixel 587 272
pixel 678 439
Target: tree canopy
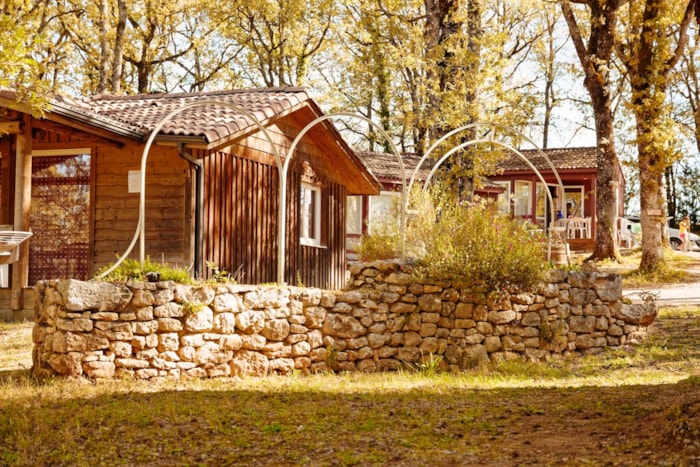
pixel 417 68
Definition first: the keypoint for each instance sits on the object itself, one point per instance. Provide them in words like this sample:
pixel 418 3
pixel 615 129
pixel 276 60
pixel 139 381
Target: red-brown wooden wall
pixel 241 224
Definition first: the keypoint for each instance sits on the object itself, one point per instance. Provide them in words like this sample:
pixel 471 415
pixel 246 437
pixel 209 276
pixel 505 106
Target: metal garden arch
pixel 490 140
pixel 139 234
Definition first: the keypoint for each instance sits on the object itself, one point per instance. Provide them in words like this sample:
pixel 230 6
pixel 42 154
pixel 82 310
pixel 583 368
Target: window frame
pixel 504 200
pixel 305 237
pixel 576 193
pixel 354 213
pixel 522 195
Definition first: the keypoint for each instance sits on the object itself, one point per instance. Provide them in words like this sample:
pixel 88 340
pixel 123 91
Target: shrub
pixel 384 241
pixel 473 244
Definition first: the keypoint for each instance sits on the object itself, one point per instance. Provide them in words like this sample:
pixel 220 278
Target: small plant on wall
pixel 192 308
pixel 133 270
pixel 217 274
pixel 549 331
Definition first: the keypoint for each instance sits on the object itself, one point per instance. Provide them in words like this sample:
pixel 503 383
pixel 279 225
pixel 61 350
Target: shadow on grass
pixel 440 423
pixel 7 376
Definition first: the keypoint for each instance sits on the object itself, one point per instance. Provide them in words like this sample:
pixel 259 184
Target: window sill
pixel 312 245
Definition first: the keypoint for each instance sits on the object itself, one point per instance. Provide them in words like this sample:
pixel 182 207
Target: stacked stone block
pixel 385 320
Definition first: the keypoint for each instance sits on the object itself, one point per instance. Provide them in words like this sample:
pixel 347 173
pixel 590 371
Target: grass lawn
pixel 637 406
pixel 678 268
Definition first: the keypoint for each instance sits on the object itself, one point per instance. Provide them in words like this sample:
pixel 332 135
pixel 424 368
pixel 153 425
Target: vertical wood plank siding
pixel 241 224
pixel 240 217
pixel 313 266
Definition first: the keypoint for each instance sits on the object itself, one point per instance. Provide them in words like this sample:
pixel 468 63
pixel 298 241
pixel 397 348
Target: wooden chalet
pixel 515 186
pixel 72 177
pixel 574 209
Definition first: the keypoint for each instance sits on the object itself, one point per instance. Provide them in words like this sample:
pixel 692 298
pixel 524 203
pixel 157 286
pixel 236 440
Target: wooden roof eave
pixel 47 125
pixel 370 184
pixel 63 115
pixel 373 187
pixel 69 117
pixel 547 172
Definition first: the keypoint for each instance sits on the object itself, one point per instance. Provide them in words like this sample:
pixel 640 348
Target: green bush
pixel 473 244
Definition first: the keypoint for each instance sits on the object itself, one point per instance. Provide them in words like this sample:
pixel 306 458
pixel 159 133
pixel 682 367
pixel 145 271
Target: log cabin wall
pixel 169 205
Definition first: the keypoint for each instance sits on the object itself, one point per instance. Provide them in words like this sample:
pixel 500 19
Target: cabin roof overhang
pixel 59 113
pixel 209 126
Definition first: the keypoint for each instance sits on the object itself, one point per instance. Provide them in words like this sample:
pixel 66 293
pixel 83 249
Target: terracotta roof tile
pixel 144 112
pixel 562 158
pixel 385 166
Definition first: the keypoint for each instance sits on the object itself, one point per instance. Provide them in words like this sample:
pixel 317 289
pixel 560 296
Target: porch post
pixel 23 195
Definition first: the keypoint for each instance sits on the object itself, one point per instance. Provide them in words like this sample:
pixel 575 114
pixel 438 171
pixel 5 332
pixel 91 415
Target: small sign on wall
pixel 134 181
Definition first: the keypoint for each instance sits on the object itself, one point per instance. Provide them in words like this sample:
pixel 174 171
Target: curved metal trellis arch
pixel 490 140
pixel 282 168
pixel 139 234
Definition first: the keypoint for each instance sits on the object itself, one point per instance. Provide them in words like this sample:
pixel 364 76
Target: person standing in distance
pixel 684 229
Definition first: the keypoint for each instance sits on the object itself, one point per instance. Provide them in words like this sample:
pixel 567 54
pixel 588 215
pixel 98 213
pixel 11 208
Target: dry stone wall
pixel 385 320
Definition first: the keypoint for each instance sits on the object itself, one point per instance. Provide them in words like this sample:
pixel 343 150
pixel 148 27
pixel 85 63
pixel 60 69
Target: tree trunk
pixel 595 58
pixel 104 47
pixel 118 58
pixel 653 55
pixel 607 181
pixel 651 192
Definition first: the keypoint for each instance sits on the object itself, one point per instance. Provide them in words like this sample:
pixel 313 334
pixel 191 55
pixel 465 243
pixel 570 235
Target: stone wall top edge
pixel 553 275
pixel 220 287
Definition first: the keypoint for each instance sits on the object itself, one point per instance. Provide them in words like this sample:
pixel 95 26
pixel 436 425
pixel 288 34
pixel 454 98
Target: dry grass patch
pixel 625 407
pixel 14 338
pixel 678 268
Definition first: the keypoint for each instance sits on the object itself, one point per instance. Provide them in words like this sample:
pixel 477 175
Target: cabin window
pixel 503 199
pixel 523 198
pixel 353 221
pixel 384 208
pixel 60 214
pixel 310 215
pixel 574 201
